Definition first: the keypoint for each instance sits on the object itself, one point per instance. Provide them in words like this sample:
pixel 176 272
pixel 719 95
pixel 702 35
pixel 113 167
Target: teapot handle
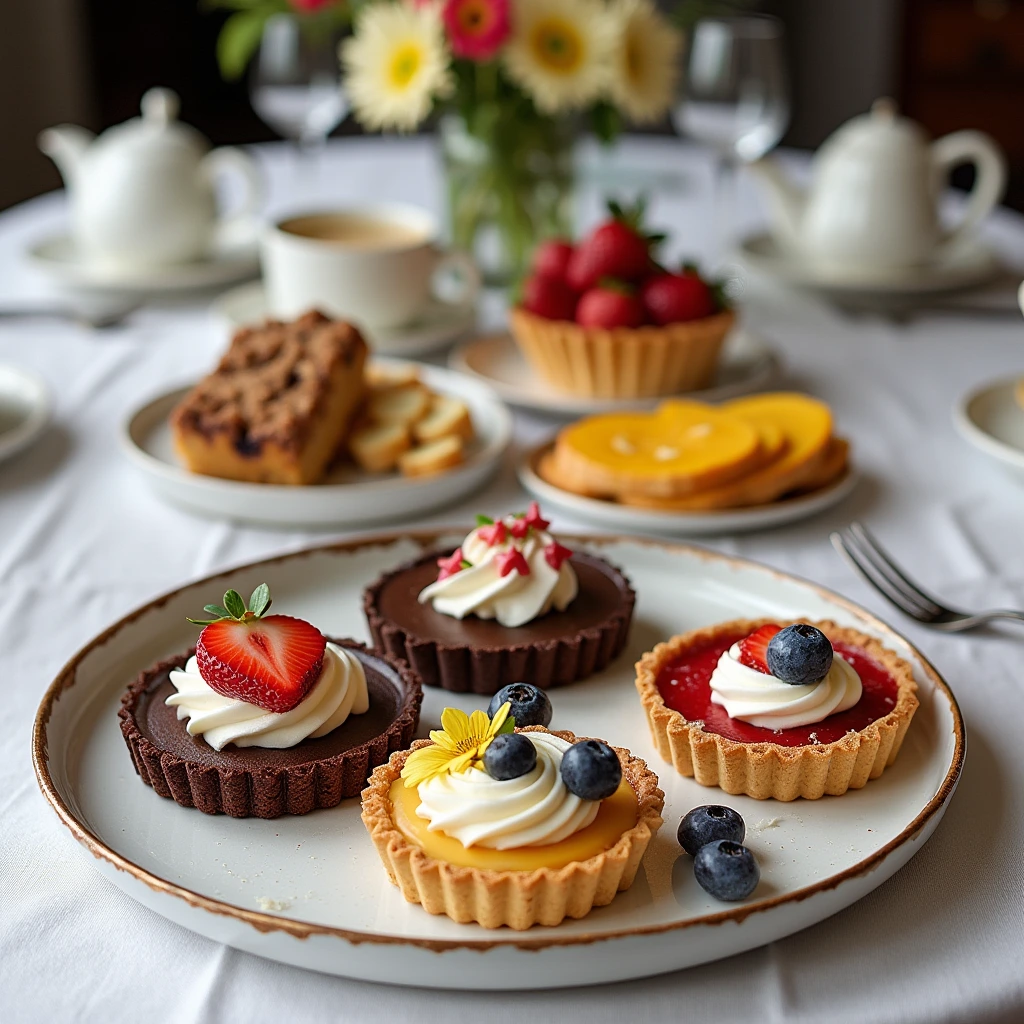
pixel 970 147
pixel 238 227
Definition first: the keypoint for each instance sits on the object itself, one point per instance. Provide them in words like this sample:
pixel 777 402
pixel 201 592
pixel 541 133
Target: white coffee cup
pixel 379 266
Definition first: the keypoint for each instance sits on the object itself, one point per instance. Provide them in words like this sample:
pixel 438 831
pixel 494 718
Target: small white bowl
pixel 992 420
pixel 24 409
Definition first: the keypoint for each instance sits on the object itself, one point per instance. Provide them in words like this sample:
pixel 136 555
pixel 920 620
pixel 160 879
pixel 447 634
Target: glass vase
pixel 509 186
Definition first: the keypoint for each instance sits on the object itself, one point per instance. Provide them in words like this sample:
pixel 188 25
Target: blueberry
pixel 509 755
pixel 726 870
pixel 591 770
pixel 705 824
pixel 799 654
pixel 530 705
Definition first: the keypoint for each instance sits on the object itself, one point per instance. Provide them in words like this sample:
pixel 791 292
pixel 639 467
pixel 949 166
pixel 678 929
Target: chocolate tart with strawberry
pixel 265 716
pixel 510 604
pixel 776 710
pixel 602 319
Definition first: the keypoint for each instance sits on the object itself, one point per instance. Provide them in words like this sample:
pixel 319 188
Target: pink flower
pixel 450 566
pixel 476 28
pixel 512 561
pixel 308 6
pixel 494 534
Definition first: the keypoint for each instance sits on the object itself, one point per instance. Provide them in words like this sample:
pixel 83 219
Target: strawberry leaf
pixel 260 600
pixel 234 604
pixel 217 611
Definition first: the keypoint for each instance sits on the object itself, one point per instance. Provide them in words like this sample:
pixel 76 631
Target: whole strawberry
pixel 610 305
pixel 271 661
pixel 549 297
pixel 618 248
pixel 676 298
pixel 552 258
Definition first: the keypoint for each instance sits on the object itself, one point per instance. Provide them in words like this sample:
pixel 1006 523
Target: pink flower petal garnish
pixel 451 565
pixel 494 534
pixel 555 554
pixel 533 517
pixel 511 560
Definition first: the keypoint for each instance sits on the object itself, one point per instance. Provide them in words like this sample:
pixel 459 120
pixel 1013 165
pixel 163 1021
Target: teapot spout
pixel 65 146
pixel 786 201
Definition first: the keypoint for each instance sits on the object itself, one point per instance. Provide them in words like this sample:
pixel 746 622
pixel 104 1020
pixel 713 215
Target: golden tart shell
pixel 518 899
pixel 769 770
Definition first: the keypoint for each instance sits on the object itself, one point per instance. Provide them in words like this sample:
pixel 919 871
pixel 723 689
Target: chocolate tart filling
pixel 258 782
pixel 481 655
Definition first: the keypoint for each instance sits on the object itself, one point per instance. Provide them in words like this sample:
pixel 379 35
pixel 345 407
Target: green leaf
pixel 238 40
pixel 260 600
pixel 201 622
pixel 234 604
pixel 465 564
pixel 217 611
pixel 607 122
pixel 509 725
pixel 484 521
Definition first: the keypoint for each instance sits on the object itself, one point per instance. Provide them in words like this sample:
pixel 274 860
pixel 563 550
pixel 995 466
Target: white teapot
pixel 873 200
pixel 143 193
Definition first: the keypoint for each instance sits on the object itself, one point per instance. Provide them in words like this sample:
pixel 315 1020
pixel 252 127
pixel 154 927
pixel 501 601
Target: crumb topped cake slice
pixel 278 405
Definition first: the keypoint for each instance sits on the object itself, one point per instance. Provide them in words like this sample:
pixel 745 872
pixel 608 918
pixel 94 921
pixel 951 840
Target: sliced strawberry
pixel 754 648
pixel 272 662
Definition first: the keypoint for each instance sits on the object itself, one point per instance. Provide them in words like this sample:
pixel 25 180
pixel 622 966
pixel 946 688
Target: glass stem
pixel 725 171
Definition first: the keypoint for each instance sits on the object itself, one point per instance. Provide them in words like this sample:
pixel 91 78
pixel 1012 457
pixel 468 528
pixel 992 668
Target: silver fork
pixel 868 558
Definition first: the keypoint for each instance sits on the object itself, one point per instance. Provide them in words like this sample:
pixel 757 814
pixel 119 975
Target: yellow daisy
pixel 560 51
pixel 459 744
pixel 646 61
pixel 396 64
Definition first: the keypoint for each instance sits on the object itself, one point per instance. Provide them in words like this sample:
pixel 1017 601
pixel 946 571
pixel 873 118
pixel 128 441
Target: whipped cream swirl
pixel 517 597
pixel 339 692
pixel 536 809
pixel 769 703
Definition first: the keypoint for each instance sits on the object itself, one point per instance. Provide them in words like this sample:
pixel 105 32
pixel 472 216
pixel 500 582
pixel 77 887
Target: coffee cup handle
pixel 239 227
pixel 458 266
pixel 971 147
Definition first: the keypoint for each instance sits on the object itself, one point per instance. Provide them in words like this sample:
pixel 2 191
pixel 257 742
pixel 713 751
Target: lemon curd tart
pixel 542 827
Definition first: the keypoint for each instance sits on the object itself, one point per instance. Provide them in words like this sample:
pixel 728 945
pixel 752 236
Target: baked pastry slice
pixel 278 405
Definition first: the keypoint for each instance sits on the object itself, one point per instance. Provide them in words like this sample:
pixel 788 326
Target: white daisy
pixel 646 61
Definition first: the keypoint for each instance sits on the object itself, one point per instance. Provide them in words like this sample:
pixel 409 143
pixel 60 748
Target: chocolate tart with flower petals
pixel 259 782
pixel 481 655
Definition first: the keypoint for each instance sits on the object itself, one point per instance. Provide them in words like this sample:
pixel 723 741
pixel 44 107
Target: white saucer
pixel 747 364
pixel 965 267
pixel 626 518
pixel 57 257
pixel 348 497
pixel 440 325
pixel 990 418
pixel 24 409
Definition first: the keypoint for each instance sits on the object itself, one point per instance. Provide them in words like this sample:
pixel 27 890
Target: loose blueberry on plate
pixel 530 704
pixel 591 770
pixel 708 823
pixel 509 756
pixel 800 654
pixel 726 870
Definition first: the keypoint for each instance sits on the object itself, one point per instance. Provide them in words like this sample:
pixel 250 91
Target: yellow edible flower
pixel 459 744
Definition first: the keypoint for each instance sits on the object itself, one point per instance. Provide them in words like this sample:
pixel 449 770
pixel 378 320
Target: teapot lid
pixel 158 131
pixel 881 129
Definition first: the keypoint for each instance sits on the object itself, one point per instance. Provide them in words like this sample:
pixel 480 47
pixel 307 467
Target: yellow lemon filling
pixel 615 816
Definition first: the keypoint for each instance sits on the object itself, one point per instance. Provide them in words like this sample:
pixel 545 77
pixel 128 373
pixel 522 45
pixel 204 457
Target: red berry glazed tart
pixel 509 603
pixel 266 716
pixel 775 710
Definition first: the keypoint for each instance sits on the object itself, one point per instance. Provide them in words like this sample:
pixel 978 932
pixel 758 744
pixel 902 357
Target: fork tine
pixel 884 561
pixel 908 597
pixel 866 570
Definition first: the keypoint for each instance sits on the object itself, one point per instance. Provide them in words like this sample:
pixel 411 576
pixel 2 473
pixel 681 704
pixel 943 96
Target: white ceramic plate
pixel 992 420
pixel 965 267
pixel 348 497
pixel 747 364
pixel 24 409
pixel 439 326
pixel 311 891
pixel 57 258
pixel 613 516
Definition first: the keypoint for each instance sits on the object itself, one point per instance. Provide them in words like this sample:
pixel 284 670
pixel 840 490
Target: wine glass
pixel 295 82
pixel 735 98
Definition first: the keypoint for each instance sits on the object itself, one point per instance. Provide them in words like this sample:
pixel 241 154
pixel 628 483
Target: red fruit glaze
pixel 754 648
pixel 512 561
pixel 549 298
pixel 685 686
pixel 676 298
pixel 608 307
pixel 451 565
pixel 271 662
pixel 552 259
pixel 613 250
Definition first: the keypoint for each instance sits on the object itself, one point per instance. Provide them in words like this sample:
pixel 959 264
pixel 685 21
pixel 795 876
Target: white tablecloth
pixel 82 542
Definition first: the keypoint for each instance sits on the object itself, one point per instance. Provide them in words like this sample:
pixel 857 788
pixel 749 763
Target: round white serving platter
pixel 747 364
pixel 966 266
pixel 991 419
pixel 310 891
pixel 349 497
pixel 438 326
pixel 629 519
pixel 24 409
